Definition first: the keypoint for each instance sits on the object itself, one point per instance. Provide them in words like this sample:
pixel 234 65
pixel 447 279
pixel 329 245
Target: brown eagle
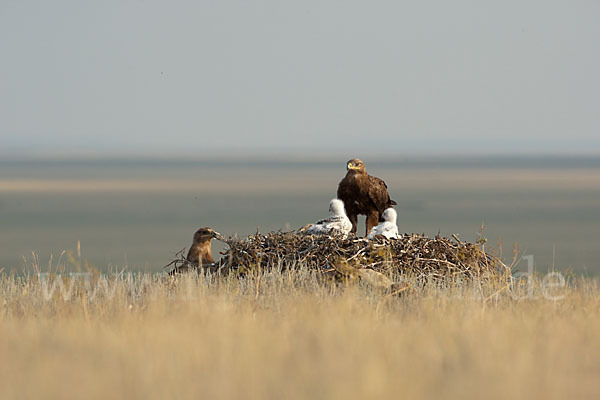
pixel 363 194
pixel 200 253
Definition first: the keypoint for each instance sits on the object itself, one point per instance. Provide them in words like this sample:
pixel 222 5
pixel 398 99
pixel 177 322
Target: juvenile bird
pixel 337 222
pixel 386 228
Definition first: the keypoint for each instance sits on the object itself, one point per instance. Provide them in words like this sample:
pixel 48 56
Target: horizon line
pixel 274 156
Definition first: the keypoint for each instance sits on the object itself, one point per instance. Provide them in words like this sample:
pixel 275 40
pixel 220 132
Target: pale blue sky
pixel 205 77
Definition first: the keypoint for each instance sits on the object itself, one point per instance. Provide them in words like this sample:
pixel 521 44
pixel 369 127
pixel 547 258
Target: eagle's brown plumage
pixel 200 253
pixel 363 194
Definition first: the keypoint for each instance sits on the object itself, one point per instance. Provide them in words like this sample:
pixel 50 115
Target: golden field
pixel 289 335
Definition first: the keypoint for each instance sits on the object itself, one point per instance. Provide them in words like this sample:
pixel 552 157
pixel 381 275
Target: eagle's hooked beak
pixel 217 235
pixel 352 166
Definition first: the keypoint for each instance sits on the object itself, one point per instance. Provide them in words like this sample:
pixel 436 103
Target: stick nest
pixel 413 254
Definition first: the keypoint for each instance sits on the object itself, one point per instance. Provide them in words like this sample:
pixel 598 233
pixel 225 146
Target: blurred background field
pixel 136 214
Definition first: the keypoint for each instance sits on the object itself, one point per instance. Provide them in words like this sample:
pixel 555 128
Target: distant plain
pixel 137 214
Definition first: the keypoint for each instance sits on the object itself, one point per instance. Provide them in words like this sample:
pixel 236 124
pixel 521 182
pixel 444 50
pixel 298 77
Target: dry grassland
pixel 287 335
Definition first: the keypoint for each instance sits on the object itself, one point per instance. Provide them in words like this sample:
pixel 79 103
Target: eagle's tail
pixel 393 203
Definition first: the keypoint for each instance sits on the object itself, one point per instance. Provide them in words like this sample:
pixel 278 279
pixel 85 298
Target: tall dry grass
pixel 288 335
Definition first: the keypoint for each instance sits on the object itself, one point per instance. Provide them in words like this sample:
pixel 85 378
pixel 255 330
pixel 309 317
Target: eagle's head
pixel 206 234
pixel 389 215
pixel 336 207
pixel 356 165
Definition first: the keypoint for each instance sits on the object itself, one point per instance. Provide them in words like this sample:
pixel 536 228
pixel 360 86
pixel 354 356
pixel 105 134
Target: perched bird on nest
pixel 386 228
pixel 200 253
pixel 337 222
pixel 363 194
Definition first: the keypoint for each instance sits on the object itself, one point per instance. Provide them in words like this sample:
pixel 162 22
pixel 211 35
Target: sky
pixel 123 77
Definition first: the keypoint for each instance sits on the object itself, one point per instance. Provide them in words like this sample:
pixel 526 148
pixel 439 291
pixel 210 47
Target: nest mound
pixel 418 255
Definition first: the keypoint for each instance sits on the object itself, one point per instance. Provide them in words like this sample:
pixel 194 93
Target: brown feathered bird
pixel 363 194
pixel 200 253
